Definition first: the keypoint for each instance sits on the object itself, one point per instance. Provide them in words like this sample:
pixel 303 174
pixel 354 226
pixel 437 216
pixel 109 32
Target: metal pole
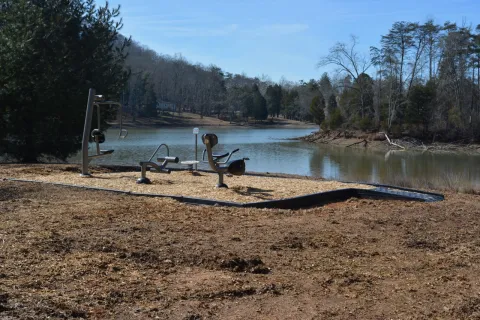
pixel 98 116
pixel 98 126
pixel 86 132
pixel 220 181
pixel 196 138
pixel 195 132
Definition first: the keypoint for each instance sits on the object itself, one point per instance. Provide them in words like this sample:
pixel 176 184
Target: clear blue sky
pixel 275 37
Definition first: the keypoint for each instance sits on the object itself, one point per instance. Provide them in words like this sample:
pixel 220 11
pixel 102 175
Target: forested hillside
pixel 423 81
pixel 208 90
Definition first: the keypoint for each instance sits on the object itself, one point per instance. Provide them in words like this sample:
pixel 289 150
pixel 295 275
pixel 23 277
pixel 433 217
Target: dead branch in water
pixel 364 141
pixel 391 142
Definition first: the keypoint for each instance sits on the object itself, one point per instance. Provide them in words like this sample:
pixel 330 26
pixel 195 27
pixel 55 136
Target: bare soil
pixel 70 253
pixel 186 119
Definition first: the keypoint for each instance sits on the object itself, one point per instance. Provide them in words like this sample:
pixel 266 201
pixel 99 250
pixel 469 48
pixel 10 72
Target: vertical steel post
pixel 196 139
pixel 195 132
pixel 98 116
pixel 97 144
pixel 98 126
pixel 86 132
pixel 220 181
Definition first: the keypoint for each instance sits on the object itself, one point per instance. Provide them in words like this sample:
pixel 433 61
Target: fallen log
pixel 392 143
pixel 363 141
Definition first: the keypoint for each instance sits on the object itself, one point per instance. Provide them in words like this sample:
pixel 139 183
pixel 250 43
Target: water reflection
pixel 365 165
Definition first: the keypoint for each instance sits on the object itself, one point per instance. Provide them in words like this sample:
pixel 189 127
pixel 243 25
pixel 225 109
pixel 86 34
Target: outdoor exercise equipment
pixel 235 167
pixel 97 135
pixel 160 168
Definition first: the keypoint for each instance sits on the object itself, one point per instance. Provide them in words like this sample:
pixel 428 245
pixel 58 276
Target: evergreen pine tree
pixel 51 53
pixel 316 109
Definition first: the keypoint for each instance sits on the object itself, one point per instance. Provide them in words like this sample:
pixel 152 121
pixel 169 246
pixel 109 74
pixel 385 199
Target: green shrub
pixel 336 119
pixel 324 125
pixel 365 124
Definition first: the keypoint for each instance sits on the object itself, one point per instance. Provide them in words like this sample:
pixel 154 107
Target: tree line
pixel 206 90
pixel 423 81
pixel 211 91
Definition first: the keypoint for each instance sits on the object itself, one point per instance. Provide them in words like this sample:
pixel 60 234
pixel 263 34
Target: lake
pixel 270 150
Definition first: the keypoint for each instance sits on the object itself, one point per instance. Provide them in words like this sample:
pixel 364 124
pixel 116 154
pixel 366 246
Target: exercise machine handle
pixel 153 155
pixel 218 158
pixel 229 156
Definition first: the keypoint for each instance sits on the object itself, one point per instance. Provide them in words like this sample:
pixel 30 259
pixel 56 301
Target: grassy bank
pixel 447 181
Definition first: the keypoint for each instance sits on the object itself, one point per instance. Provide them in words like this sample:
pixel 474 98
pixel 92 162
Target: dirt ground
pixel 186 119
pixel 71 253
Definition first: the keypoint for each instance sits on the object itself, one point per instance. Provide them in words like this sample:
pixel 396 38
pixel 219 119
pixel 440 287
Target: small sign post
pixel 195 132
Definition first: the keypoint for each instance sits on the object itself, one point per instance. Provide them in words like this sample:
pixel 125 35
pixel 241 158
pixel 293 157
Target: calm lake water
pixel 270 151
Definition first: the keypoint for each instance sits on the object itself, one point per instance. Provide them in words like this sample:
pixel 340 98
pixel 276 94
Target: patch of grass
pixel 447 181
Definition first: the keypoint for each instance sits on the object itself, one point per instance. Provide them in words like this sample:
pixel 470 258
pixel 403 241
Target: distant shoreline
pixel 378 141
pixel 194 120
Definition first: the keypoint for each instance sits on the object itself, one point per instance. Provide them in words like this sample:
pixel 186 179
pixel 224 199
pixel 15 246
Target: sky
pixel 276 38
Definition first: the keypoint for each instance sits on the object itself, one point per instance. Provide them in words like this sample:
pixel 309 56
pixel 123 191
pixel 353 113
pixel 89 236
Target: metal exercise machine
pixel 235 167
pixel 160 168
pixel 97 135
